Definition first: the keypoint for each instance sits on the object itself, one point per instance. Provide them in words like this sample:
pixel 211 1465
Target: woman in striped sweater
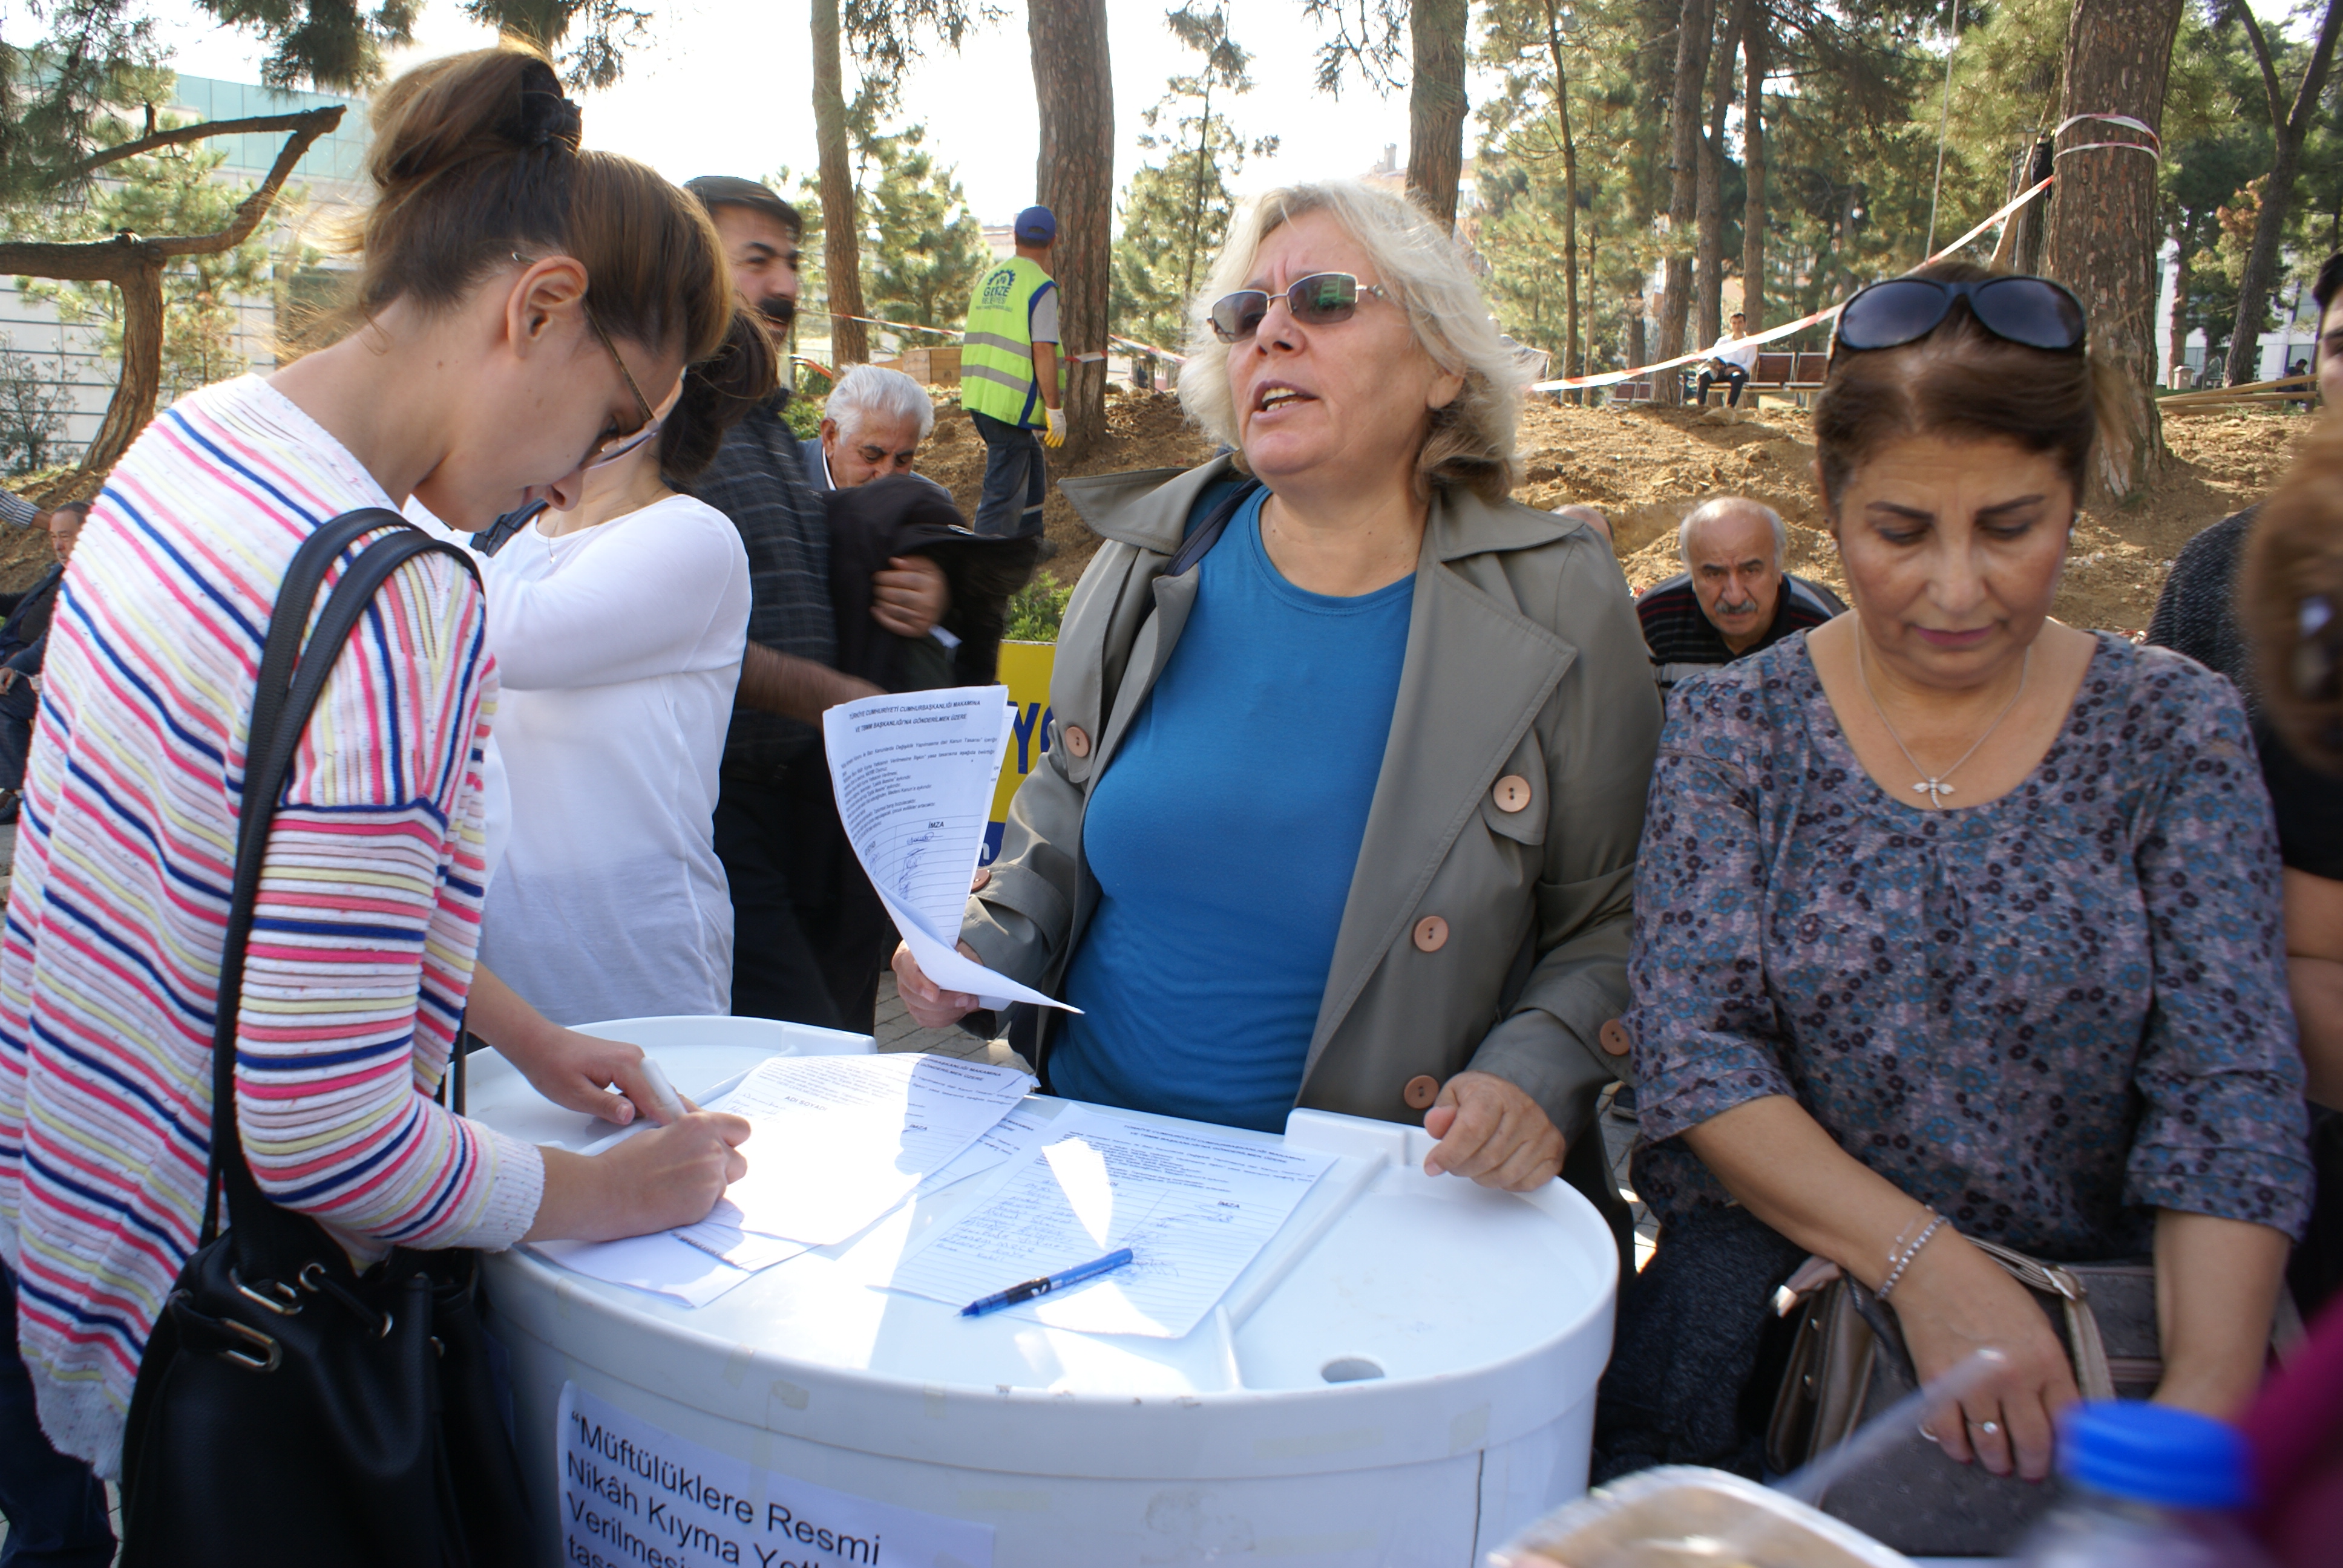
pixel 522 306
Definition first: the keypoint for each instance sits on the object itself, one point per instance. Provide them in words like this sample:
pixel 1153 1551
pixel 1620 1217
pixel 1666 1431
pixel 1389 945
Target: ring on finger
pixel 1990 1428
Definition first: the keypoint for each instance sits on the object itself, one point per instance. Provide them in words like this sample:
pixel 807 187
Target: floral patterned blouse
pixel 2044 1016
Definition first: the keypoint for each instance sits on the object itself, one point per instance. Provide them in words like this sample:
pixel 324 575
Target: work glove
pixel 1055 436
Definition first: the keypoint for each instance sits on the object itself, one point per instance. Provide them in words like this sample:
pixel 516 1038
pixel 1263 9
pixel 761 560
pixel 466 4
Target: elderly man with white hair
pixel 1733 598
pixel 872 426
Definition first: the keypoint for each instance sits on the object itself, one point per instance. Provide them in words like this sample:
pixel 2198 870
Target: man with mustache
pixel 1733 597
pixel 777 830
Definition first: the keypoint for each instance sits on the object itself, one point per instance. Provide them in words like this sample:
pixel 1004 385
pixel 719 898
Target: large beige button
pixel 1420 1091
pixel 1613 1036
pixel 1077 740
pixel 1512 793
pixel 1430 934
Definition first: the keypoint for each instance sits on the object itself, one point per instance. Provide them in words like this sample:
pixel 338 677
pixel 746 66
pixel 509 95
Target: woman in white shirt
pixel 619 629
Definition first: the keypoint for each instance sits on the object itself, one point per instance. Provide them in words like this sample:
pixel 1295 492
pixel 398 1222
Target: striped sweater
pixel 368 916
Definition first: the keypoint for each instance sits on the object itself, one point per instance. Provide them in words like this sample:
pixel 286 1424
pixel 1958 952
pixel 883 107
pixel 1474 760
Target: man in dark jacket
pixel 24 640
pixel 777 829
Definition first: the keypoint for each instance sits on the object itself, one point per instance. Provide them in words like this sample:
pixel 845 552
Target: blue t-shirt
pixel 1224 838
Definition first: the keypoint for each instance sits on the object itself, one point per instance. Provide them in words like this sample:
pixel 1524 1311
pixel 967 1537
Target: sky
pixel 724 87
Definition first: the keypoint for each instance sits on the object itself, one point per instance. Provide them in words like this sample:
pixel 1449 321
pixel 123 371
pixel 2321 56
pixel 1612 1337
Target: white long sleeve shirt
pixel 1735 350
pixel 620 648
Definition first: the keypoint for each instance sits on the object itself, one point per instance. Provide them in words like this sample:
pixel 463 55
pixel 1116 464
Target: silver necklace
pixel 1935 788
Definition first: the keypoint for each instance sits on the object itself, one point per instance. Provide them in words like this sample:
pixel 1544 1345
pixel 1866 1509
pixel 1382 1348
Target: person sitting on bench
pixel 1731 361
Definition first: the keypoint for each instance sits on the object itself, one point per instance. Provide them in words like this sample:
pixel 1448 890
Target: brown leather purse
pixel 1848 1362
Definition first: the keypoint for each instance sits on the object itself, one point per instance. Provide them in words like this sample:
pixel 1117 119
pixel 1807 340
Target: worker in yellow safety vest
pixel 1009 378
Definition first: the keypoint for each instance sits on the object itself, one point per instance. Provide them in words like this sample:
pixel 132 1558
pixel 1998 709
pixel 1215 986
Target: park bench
pixel 1796 374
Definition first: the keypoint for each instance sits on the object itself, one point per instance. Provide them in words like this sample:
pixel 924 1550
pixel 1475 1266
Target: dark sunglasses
pixel 2031 311
pixel 1321 299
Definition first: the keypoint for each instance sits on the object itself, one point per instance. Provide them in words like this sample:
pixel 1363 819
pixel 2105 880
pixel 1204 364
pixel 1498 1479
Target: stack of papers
pixel 838 1142
pixel 1194 1206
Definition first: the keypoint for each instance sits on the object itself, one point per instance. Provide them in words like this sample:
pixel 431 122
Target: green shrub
pixel 1035 610
pixel 804 415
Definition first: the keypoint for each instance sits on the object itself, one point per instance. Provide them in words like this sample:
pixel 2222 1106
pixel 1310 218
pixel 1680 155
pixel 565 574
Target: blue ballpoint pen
pixel 1047 1282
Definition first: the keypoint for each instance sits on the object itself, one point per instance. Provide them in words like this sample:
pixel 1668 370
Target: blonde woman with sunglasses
pixel 1348 750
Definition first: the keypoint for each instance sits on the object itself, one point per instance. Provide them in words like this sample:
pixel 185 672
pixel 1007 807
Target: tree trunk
pixel 1196 208
pixel 2103 234
pixel 2289 127
pixel 1435 106
pixel 1693 30
pixel 1075 177
pixel 2179 338
pixel 1574 361
pixel 841 226
pixel 1753 156
pixel 1709 198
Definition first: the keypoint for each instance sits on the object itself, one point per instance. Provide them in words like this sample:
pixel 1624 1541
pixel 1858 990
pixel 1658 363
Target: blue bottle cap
pixel 2154 1453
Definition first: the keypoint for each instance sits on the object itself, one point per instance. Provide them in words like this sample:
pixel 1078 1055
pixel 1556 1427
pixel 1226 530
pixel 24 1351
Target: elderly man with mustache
pixel 1733 597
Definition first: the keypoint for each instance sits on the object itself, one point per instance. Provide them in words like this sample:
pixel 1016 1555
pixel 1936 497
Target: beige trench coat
pixel 1487 926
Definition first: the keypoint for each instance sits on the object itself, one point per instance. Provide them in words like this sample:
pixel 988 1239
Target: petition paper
pixel 838 1140
pixel 1195 1207
pixel 914 775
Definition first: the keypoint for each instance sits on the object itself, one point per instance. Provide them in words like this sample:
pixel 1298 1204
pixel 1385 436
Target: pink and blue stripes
pixel 368 918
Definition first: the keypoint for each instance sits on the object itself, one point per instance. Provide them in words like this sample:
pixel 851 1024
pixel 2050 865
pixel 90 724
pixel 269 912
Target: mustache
pixel 1726 607
pixel 780 310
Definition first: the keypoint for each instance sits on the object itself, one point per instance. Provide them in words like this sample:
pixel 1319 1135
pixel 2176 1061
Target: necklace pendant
pixel 1935 788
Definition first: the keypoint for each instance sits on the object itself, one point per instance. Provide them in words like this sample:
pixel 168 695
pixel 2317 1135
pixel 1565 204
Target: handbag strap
pixel 292 675
pixel 1201 539
pixel 2094 1377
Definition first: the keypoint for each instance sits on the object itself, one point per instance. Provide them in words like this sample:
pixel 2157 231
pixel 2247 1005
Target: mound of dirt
pixel 25 555
pixel 1648 468
pixel 1144 431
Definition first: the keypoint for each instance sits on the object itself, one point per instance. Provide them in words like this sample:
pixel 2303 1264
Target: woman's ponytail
pixel 476 161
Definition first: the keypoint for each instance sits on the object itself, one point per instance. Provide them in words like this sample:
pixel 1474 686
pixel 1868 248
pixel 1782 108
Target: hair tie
pixel 546 115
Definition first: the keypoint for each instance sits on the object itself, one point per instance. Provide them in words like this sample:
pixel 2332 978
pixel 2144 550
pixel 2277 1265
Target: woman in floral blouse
pixel 1952 920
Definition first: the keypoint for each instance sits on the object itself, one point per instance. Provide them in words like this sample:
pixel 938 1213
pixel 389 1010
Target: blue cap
pixel 1037 226
pixel 2154 1453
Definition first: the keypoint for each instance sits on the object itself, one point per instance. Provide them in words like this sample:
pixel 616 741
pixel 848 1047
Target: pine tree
pixel 924 249
pixel 1175 213
pixel 170 192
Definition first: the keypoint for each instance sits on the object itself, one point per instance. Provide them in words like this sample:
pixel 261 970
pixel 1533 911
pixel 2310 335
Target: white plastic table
pixel 1403 1377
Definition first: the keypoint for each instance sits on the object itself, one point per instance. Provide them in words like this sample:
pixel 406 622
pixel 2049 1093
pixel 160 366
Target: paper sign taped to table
pixel 914 775
pixel 632 1493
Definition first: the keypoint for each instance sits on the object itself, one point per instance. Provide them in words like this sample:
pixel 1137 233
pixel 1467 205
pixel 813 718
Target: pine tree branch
pixel 330 116
pixel 2271 90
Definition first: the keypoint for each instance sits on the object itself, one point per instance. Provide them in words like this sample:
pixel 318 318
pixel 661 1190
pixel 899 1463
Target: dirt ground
pixel 1648 468
pixel 25 555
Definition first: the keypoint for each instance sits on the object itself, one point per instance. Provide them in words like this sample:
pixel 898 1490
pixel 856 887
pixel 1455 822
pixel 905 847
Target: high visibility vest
pixel 996 354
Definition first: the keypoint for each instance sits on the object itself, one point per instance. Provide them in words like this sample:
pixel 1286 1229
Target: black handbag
pixel 290 1408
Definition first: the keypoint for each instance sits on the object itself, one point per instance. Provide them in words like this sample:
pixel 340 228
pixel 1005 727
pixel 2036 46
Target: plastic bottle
pixel 2146 1486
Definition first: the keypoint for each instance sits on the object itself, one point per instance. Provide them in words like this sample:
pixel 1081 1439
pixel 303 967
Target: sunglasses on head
pixel 2031 311
pixel 1321 299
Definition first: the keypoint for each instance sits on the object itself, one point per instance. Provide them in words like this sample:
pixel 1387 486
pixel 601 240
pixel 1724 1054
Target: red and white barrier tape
pixel 1612 378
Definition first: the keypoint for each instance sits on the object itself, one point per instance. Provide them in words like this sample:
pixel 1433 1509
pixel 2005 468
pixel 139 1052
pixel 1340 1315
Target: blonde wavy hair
pixel 1470 441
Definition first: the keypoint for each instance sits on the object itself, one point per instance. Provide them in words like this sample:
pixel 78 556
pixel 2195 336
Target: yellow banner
pixel 1025 670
